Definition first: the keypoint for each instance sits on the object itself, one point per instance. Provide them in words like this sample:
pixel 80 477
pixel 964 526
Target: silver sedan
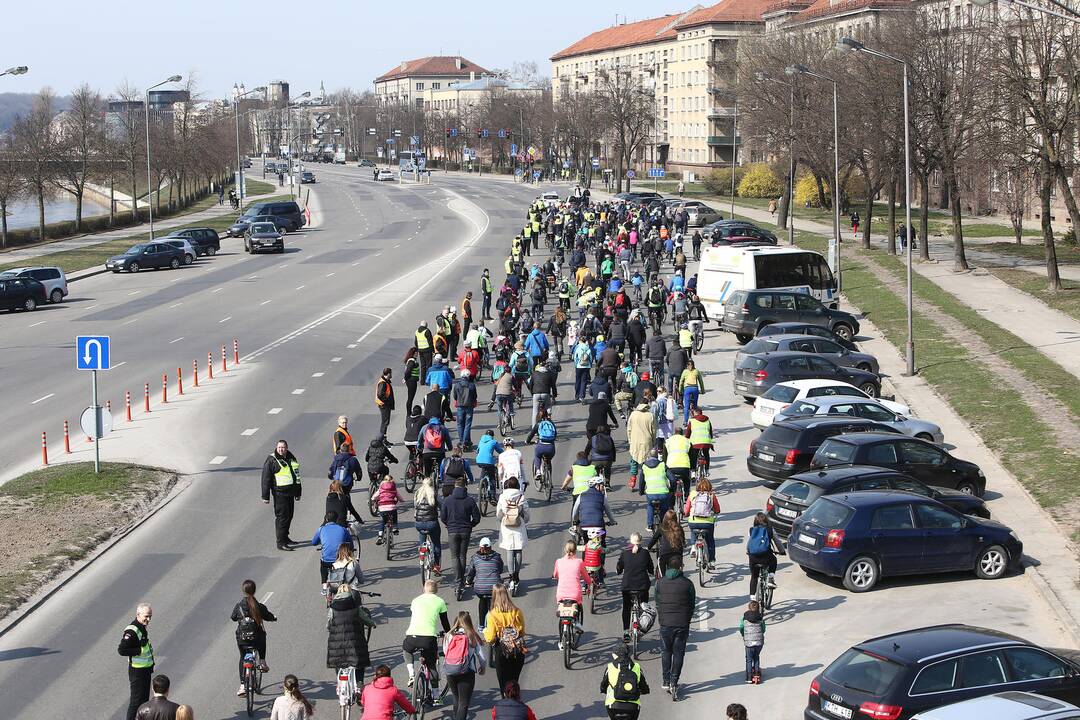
pixel 869 409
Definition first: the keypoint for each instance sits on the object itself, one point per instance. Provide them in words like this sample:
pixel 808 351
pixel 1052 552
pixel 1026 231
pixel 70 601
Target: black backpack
pixel 626 687
pixel 455 468
pixel 247 629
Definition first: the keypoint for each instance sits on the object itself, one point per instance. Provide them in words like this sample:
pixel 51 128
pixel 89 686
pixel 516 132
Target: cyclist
pixel 623 684
pixel 699 430
pixel 345 468
pixel 433 444
pixel 249 615
pixel 759 551
pixel 678 461
pixel 670 541
pixel 546 432
pixel 579 474
pixel 346 642
pixel 345 571
pixel 591 508
pixel 602 452
pixel 542 388
pixel 511 464
pixel 636 568
pixel 702 507
pixel 426 513
pixel 389 499
pixel 377 456
pixel 453 467
pixel 503 390
pixel 338 501
pixel 655 487
pixel 570 572
pixel 413 424
pixel 486 450
pixel 594 552
pixel 428 611
pixel 437 405
pixel 381 697
pixel 691 385
pixel 329 537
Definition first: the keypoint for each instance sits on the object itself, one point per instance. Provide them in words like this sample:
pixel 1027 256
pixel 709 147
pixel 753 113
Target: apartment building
pixel 461 97
pixel 413 80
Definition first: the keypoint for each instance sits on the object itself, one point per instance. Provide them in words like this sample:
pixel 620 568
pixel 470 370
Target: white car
pixel 863 408
pixel 780 395
pixel 550 198
pixel 1009 705
pixel 53 278
pixel 385 174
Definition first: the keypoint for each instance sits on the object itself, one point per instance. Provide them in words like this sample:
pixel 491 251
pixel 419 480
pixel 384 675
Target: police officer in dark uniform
pixel 135 646
pixel 281 478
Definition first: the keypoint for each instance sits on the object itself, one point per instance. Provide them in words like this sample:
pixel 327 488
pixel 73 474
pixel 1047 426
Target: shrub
pixel 1069 238
pixel 806 191
pixel 759 181
pixel 718 180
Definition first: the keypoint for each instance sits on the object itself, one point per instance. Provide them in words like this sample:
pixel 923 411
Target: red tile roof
pixel 727 11
pixel 619 36
pixel 788 5
pixel 445 65
pixel 824 8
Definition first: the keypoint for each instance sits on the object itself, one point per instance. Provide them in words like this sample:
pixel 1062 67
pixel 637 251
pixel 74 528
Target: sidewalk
pixel 1053 333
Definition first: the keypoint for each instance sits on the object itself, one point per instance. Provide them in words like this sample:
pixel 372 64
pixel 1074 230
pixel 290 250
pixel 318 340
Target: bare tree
pixel 12 184
pixel 35 146
pixel 129 140
pixel 80 146
pixel 629 112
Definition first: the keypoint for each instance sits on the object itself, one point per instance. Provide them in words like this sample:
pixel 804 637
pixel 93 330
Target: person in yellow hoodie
pixel 504 629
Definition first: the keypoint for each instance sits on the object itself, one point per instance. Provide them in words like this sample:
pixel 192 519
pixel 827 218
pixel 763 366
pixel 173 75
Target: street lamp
pixel 762 77
pixel 851 44
pixel 797 69
pixel 17 70
pixel 146 110
pixel 239 92
pixel 1069 13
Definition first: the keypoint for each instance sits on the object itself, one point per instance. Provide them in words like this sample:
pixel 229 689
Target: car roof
pixel 833 476
pixel 810 384
pixel 793 336
pixel 785 354
pixel 924 644
pixel 1008 705
pixel 806 423
pixel 867 438
pixel 830 400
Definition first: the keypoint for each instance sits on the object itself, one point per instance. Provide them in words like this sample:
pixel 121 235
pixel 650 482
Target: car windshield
pixel 263 227
pixel 802 408
pixel 749 362
pixel 781 393
pixel 135 249
pixel 833 452
pixel 862 671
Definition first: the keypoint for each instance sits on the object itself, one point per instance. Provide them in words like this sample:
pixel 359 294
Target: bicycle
pixel 506 415
pixel 702 468
pixel 680 500
pixel 764 589
pixel 699 334
pixel 635 624
pixel 422 695
pixel 569 632
pixel 543 478
pixel 373 498
pixel 412 470
pixel 346 690
pixel 658 513
pixel 388 536
pixel 252 678
pixel 701 555
pixel 593 589
pixel 486 499
pixel 426 553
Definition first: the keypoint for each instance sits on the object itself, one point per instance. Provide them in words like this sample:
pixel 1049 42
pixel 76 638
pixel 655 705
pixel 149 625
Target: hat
pixel 645 375
pixel 437 358
pixel 599 338
pixel 485 542
pixel 466 373
pixel 508 441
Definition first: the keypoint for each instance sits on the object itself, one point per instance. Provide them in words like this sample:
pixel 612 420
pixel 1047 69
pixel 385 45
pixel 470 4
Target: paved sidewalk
pixel 1054 333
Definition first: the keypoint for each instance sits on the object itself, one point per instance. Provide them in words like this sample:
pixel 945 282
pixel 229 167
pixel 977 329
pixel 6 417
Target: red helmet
pixel 645 375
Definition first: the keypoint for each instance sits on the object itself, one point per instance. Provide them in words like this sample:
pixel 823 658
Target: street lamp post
pixel 803 70
pixel 146 111
pixel 734 150
pixel 17 70
pixel 238 92
pixel 847 43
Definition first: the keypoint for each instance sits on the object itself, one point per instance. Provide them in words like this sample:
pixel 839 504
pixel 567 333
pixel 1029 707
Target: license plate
pixel 767 411
pixel 784 512
pixel 740 386
pixel 834 709
pixel 765 456
pixel 811 541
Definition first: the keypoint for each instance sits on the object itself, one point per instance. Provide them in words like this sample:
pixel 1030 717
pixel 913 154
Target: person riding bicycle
pixel 579 474
pixel 377 456
pixel 701 508
pixel 414 423
pixel 759 551
pixel 695 309
pixel 503 392
pixel 570 572
pixel 699 430
pixel 249 615
pixel 521 366
pixel 623 684
pixel 453 467
pixel 381 697
pixel 636 567
pixel 511 464
pixel 591 509
pixel 656 487
pixel 595 550
pixel 602 452
pixel 427 612
pixel 546 433
pixel 678 461
pixel 486 450
pixel 434 443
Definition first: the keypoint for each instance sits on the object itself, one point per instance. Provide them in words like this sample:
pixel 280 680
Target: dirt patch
pixel 56 516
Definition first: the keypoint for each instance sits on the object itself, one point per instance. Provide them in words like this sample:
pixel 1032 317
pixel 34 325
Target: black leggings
pixel 462 687
pixel 459 548
pixel 628 605
pixel 258 644
pixel 758 561
pixel 484 604
pixel 506 668
pixel 428 647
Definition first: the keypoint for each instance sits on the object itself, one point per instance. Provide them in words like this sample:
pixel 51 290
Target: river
pixel 24 213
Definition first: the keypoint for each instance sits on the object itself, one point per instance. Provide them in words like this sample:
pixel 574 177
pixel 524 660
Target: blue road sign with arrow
pixel 92 352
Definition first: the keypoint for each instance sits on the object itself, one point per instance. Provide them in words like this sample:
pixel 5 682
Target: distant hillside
pixel 14 104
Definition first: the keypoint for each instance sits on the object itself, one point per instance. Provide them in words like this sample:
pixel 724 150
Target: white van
pixel 725 269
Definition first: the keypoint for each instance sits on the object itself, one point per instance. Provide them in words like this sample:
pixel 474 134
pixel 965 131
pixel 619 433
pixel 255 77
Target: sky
pixel 343 43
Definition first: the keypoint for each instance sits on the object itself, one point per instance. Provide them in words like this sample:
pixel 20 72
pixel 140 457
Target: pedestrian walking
pixel 221 195
pixel 411 374
pixel 460 514
pixel 291 704
pixel 752 629
pixel 675 599
pixel 681 188
pixel 512 512
pixel 281 179
pixel 504 630
pixel 159 706
pixel 136 647
pixel 384 399
pixel 281 479
pixel 464 395
pixel 772 206
pixel 425 347
pixel 463 661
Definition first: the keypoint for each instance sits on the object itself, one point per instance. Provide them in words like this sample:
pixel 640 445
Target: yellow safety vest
pixel 145 658
pixel 536 226
pixel 686 338
pixel 656 479
pixel 582 474
pixel 700 432
pixel 678 452
pixel 527 230
pixel 422 342
pixel 613 678
pixel 288 473
pixel 509 264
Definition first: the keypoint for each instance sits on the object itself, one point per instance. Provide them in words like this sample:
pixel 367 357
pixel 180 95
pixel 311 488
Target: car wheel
pixel 865 367
pixel 870 389
pixel 56 296
pixel 211 252
pixel 968 488
pixel 174 263
pixel 743 338
pixel 861 575
pixel 188 259
pixel 134 267
pixel 281 249
pixel 844 331
pixel 992 563
pixel 30 305
pixel 749 399
pixel 283 230
pixel 925 436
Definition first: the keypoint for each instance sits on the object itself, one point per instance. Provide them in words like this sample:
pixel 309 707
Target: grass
pixel 981 230
pixel 64 484
pixel 1066 254
pixel 1066 300
pixel 258 187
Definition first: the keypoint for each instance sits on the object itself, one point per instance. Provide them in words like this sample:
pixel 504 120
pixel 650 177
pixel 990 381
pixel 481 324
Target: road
pixel 316 326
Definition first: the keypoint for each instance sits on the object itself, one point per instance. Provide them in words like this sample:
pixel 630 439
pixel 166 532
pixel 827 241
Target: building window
pixel 436 86
pixel 419 86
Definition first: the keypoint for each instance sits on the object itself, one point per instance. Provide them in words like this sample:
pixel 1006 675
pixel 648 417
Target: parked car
pixel 385 174
pixel 811 344
pixel 550 198
pixel 240 227
pixel 1008 705
pixel 781 395
pixel 755 374
pixel 788 502
pixel 307 177
pixel 152 255
pixel 698 214
pixel 896 676
pixel 288 211
pixel 264 236
pixel 53 278
pixel 638 196
pixel 861 537
pixel 190 253
pixel 918 458
pixel 205 240
pixel 786 448
pixel 803 328
pixel 747 311
pixel 21 293
pixel 364 162
pixel 735 231
pixel 865 408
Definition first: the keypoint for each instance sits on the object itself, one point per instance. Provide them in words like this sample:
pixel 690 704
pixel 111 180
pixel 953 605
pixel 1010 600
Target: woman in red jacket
pixel 379 698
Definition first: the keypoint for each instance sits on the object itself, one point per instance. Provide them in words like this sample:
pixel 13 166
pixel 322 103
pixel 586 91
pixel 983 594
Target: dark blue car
pixel 863 536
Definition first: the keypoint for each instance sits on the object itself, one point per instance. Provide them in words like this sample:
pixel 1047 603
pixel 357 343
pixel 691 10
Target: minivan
pixel 53 278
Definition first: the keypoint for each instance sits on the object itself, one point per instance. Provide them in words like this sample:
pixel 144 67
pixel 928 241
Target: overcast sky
pixel 339 42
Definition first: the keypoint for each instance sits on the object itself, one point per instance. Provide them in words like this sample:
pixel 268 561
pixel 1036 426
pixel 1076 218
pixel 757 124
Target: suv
pixel 53 278
pixel 205 240
pixel 811 344
pixel 747 311
pixel 755 374
pixel 918 458
pixel 898 675
pixel 185 245
pixel 286 214
pixel 1011 704
pixel 786 447
pixel 799 492
pixel 727 232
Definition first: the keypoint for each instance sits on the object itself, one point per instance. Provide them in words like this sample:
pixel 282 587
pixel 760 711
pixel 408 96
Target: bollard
pixel 146 393
pixel 164 388
pixel 210 365
pixel 127 402
pixel 179 382
pixel 44 451
pixel 67 439
pixel 236 351
pixel 195 371
pixel 224 367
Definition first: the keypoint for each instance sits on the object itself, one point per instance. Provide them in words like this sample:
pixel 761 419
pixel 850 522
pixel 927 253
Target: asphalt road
pixel 416 248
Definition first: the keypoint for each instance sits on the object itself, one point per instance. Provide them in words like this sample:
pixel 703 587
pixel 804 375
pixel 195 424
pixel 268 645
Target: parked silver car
pixel 53 278
pixel 190 252
pixel 863 408
pixel 812 344
pixel 698 214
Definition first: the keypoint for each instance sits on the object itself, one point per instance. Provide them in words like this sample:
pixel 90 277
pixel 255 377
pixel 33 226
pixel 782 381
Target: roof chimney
pixel 472 75
pixel 457 62
pixel 404 64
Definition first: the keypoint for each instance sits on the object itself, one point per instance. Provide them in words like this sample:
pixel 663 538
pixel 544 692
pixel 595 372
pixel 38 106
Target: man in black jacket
pixel 135 646
pixel 436 405
pixel 281 478
pixel 460 514
pixel 158 707
pixel 676 363
pixel 635 339
pixel 675 599
pixel 656 352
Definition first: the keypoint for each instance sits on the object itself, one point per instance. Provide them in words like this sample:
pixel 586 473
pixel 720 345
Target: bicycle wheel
pixel 567 642
pixel 388 536
pixel 545 488
pixel 701 566
pixel 421 694
pixel 699 342
pixel 411 471
pixel 258 674
pixel 634 635
pixel 592 598
pixel 373 504
pixel 767 597
pixel 483 499
pixel 249 691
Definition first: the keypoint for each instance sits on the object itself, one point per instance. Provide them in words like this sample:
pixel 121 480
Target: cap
pixel 485 542
pixel 596 532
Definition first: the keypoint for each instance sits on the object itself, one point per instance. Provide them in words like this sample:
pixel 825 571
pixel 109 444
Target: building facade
pixel 412 81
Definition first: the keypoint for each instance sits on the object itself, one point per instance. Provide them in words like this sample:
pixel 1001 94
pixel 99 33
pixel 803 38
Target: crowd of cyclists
pixel 601 286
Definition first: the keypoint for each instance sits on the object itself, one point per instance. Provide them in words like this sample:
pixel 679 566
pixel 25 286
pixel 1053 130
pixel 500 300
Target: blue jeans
pixel 665 505
pixel 710 540
pixel 434 531
pixel 690 397
pixel 464 423
pixel 581 382
pixel 672 650
pixel 542 450
pixel 753 660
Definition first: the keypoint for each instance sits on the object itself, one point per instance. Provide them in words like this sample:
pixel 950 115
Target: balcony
pixel 723 140
pixel 720 112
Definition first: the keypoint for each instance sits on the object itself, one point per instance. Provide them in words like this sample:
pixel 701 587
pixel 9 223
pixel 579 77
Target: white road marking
pixel 218 459
pixel 129 321
pixel 317 375
pixel 178 279
pixel 216 290
pixel 250 431
pixel 39 322
pixel 378 254
pixel 176 340
pixel 225 319
pixel 397 245
pixel 175 305
pixel 273 411
pixel 351 346
pixel 335 359
pixel 253 277
pixel 301 287
pixel 268 596
pixel 119 364
pixel 90 308
pixel 282 266
pixel 355 264
pixel 298 391
pixel 329 274
pixel 264 302
pixel 133 292
pixel 35 402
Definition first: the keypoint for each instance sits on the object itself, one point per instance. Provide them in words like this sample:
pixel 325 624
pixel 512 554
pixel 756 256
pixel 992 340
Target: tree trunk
pixel 892 215
pixel 3 223
pixel 1067 195
pixel 924 216
pixel 826 202
pixel 78 210
pixel 869 215
pixel 1017 220
pixel 134 199
pixel 41 212
pixel 1046 183
pixel 112 201
pixel 943 197
pixel 959 259
pixel 783 212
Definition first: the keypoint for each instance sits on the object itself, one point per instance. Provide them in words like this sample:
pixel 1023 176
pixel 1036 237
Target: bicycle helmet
pixel 596 532
pixel 596 482
pixel 508 441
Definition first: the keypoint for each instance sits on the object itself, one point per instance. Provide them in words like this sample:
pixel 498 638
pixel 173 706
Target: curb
pixel 84 274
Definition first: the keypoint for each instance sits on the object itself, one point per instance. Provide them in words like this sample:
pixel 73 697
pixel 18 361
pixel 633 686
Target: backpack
pixel 342 474
pixel 497 371
pixel 433 438
pixel 626 687
pixel 425 511
pixel 501 303
pixel 759 540
pixel 546 430
pixel 247 629
pixel 702 507
pixel 512 514
pixel 521 365
pixel 455 468
pixel 510 642
pixel 458 654
pixel 655 296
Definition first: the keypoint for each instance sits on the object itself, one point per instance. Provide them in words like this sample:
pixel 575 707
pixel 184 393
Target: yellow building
pixel 412 80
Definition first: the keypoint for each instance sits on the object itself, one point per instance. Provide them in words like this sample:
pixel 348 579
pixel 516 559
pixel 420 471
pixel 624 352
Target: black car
pixel 920 459
pixel 756 373
pixel 728 232
pixel 746 312
pixel 286 216
pixel 895 676
pixel 786 447
pixel 800 491
pixel 803 328
pixel 151 255
pixel 205 240
pixel 21 293
pixel 264 236
pixel 307 177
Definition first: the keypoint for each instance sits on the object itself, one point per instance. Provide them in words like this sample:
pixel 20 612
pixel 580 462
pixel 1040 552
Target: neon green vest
pixel 678 452
pixel 581 475
pixel 422 341
pixel 288 473
pixel 656 479
pixel 145 658
pixel 613 677
pixel 700 432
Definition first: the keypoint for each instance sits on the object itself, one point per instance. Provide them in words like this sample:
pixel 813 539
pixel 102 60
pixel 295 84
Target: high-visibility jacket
pixel 656 482
pixel 678 452
pixel 581 475
pixel 485 284
pixel 145 658
pixel 527 230
pixel 347 438
pixel 686 338
pixel 536 226
pixel 288 473
pixel 700 432
pixel 613 679
pixel 422 342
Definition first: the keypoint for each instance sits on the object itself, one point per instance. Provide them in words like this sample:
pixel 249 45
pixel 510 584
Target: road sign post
pixel 93 353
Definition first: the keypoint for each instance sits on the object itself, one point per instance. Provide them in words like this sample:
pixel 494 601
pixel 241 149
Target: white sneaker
pixel 242 691
pixel 772 582
pixel 560 644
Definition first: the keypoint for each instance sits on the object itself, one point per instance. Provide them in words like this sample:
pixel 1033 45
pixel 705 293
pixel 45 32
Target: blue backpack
pixel 546 431
pixel 759 540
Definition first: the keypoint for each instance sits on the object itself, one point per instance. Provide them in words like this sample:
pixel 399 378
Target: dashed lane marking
pixel 35 402
pixel 39 322
pixel 133 292
pixel 335 359
pixel 317 375
pixel 174 305
pixel 225 319
pixel 264 302
pixel 216 290
pixel 176 340
pixel 301 287
pixel 218 459
pixel 298 391
pixel 351 346
pixel 120 363
pixel 250 431
pixel 330 274
pixel 273 411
